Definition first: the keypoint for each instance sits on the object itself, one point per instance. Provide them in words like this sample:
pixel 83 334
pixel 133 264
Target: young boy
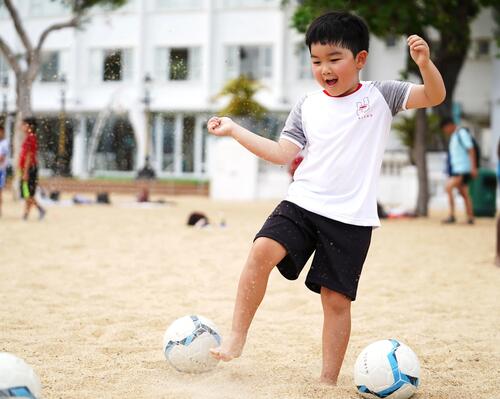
pixel 28 166
pixel 4 155
pixel 331 205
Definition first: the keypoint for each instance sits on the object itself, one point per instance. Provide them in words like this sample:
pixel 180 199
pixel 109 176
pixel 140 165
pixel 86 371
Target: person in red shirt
pixel 28 165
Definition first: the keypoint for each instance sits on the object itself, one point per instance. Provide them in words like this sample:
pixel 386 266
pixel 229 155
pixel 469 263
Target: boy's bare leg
pixel 497 258
pixel 336 332
pixel 264 255
pixel 450 185
pixel 27 206
pixel 464 191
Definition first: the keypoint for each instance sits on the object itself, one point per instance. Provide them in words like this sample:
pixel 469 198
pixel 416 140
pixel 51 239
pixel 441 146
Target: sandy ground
pixel 86 295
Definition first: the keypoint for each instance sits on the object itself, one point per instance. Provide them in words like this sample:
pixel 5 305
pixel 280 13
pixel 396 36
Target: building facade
pixel 141 81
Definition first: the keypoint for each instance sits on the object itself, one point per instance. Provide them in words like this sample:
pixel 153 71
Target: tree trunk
pixel 23 107
pixel 420 159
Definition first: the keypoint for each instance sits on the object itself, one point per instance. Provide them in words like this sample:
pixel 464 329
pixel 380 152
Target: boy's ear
pixel 361 59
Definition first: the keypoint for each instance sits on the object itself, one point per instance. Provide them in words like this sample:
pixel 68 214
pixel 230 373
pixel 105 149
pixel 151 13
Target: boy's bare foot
pixel 230 349
pixel 328 381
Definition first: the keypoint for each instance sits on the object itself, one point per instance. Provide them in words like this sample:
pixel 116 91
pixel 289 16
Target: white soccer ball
pixel 17 378
pixel 387 369
pixel 187 343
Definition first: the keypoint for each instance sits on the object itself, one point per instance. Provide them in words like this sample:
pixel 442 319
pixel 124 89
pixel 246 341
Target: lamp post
pixel 146 173
pixel 5 89
pixel 61 147
pixel 147 111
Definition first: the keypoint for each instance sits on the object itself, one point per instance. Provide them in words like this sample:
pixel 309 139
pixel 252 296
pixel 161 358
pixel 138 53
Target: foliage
pixel 81 6
pixel 242 91
pixel 405 128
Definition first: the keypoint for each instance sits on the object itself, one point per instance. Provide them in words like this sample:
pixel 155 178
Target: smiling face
pixel 336 69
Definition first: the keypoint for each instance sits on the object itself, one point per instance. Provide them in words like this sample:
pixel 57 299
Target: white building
pixel 189 49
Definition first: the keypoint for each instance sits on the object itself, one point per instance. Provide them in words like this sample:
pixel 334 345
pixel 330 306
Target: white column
pixel 139 71
pixel 178 144
pixel 208 56
pixel 138 121
pixel 198 144
pixel 79 147
pixel 279 57
pixel 158 156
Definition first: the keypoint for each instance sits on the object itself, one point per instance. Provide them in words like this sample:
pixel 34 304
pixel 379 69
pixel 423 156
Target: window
pixel 304 62
pixel 482 48
pixel 179 63
pixel 50 66
pixel 390 41
pixel 112 68
pixel 168 144
pixel 110 65
pixel 255 62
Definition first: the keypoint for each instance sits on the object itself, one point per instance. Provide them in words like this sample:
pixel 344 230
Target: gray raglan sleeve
pixel 293 129
pixel 395 93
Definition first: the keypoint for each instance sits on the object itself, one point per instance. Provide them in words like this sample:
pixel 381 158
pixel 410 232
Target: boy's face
pixel 336 69
pixel 26 128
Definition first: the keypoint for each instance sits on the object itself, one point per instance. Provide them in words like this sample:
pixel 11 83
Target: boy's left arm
pixel 432 92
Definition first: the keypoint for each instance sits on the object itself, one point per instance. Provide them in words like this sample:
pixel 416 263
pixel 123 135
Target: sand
pixel 86 295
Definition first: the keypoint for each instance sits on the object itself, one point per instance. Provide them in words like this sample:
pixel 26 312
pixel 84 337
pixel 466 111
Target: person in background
pixel 4 156
pixel 462 167
pixel 28 166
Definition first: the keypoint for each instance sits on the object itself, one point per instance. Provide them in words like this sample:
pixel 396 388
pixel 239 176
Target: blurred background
pixel 120 85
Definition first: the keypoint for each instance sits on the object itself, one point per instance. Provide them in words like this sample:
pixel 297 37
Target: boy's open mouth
pixel 331 82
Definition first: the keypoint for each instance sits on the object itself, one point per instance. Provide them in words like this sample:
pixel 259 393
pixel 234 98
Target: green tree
pixel 26 65
pixel 450 18
pixel 241 91
pixel 405 130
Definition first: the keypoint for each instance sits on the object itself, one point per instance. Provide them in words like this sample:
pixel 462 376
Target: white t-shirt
pixel 4 151
pixel 343 141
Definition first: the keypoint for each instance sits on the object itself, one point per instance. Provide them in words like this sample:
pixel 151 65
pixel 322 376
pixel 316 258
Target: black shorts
pixel 340 249
pixel 32 182
pixel 466 177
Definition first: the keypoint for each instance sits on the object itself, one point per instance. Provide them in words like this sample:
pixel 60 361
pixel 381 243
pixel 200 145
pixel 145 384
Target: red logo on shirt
pixel 363 109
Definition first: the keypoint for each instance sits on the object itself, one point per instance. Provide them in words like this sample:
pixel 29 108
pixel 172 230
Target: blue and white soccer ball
pixel 17 378
pixel 387 369
pixel 187 343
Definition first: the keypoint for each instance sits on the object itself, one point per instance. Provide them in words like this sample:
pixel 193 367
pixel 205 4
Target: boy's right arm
pixel 279 152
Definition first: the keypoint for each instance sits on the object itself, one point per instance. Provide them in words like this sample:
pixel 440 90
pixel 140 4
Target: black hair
pixel 340 28
pixel 445 121
pixel 2 122
pixel 31 122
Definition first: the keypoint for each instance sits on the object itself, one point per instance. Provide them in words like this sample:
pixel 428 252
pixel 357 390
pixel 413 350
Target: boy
pixel 4 157
pixel 331 205
pixel 463 167
pixel 28 166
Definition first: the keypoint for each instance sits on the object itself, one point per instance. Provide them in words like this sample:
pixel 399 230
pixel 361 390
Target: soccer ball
pixel 187 343
pixel 18 379
pixel 387 369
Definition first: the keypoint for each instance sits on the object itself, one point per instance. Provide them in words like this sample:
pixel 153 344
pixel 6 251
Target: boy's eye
pixel 335 59
pixel 316 62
